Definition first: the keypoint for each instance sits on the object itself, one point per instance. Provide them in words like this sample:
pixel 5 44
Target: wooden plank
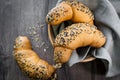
pixel 16 18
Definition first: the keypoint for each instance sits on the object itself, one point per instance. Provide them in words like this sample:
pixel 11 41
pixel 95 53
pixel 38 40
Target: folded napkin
pixel 107 20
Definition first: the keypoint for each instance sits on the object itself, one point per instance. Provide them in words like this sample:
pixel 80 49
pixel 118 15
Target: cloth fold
pixel 107 20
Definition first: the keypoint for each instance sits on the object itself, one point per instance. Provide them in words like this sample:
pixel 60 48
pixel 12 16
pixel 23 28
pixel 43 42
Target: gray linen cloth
pixel 107 20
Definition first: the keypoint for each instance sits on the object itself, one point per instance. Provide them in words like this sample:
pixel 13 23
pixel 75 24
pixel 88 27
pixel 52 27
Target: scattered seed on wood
pixel 45 50
pixel 41 26
pixel 36 39
pixel 43 43
pixel 34 32
pixel 34 28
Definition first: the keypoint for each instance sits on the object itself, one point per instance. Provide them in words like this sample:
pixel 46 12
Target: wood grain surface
pixel 17 17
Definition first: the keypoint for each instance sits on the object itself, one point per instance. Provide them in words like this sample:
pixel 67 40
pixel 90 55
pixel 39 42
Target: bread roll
pixel 74 36
pixel 69 10
pixel 29 62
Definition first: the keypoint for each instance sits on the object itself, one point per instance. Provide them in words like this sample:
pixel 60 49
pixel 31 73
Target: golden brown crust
pixel 81 13
pixel 80 35
pixel 69 10
pixel 22 43
pixel 62 54
pixel 60 13
pixel 98 41
pixel 29 61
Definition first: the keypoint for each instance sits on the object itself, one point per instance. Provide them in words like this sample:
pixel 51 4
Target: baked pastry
pixel 74 36
pixel 69 10
pixel 60 13
pixel 29 62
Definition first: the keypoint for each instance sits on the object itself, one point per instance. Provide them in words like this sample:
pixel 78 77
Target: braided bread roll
pixel 74 36
pixel 69 10
pixel 29 61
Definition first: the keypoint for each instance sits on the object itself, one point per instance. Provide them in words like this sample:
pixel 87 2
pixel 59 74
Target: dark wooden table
pixel 17 17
